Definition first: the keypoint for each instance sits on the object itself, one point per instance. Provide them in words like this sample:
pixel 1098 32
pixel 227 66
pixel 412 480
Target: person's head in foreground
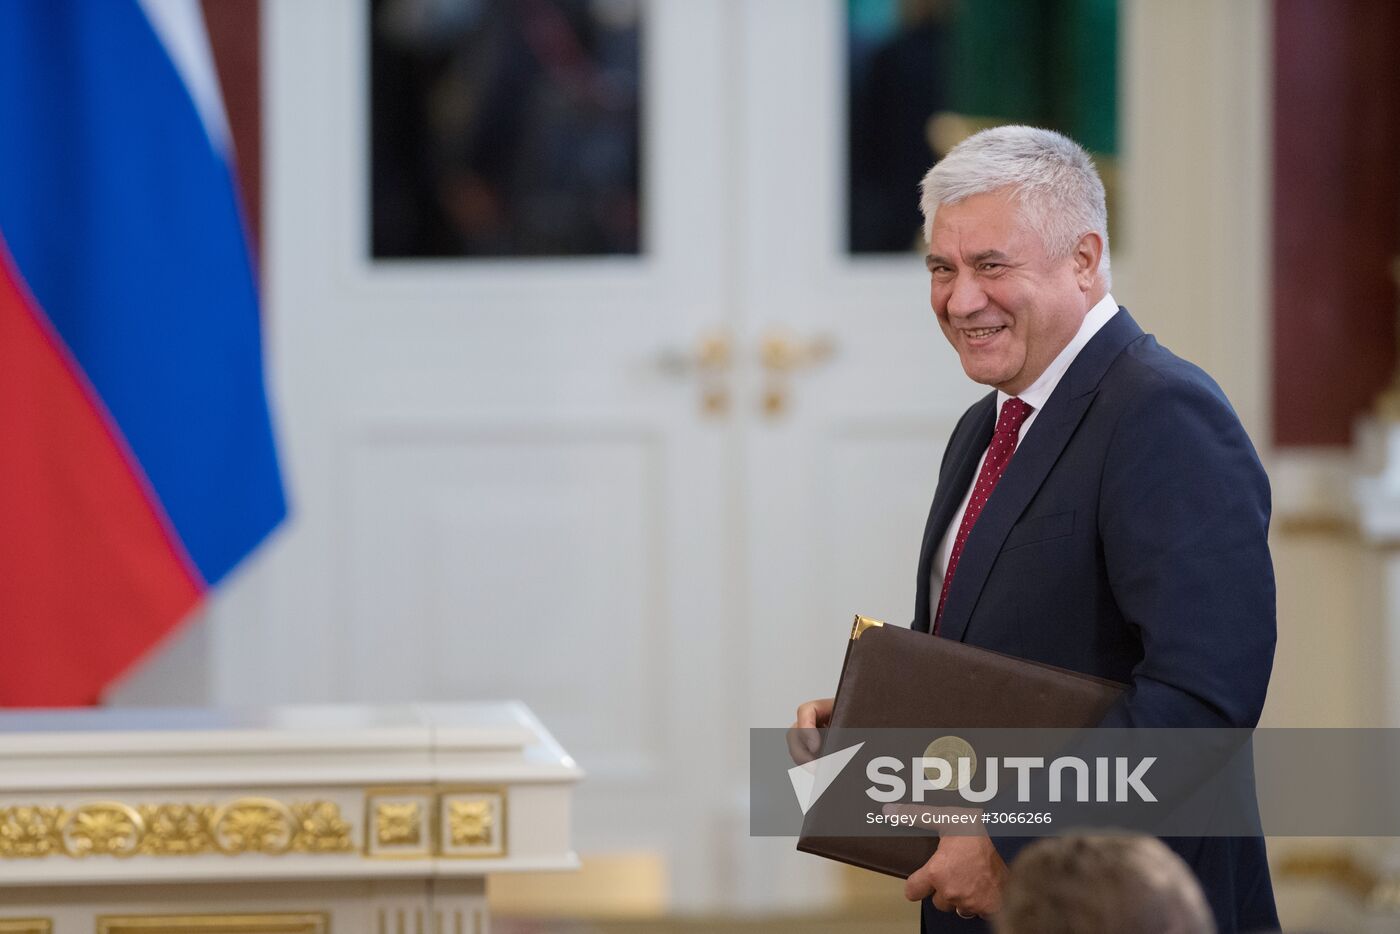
pixel 1087 885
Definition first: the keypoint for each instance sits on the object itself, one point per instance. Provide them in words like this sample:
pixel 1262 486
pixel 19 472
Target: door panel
pixel 500 491
pixel 838 484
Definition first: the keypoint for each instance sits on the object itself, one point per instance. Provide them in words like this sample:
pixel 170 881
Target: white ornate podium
pixel 302 819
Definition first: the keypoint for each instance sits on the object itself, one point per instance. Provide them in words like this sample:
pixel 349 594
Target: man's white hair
pixel 1053 178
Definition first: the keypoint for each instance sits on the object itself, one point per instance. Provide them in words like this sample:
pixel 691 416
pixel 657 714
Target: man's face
pixel 1007 307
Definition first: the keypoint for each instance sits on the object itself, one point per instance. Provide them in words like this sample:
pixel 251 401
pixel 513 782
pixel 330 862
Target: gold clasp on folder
pixel 862 624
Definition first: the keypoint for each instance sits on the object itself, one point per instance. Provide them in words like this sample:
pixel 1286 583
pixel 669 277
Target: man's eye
pixel 991 267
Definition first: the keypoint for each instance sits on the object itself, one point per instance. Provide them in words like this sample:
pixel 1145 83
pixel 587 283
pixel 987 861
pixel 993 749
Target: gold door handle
pixel 709 362
pixel 713 351
pixel 781 354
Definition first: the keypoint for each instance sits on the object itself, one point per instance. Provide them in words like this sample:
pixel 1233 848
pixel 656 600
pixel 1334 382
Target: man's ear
pixel 1086 256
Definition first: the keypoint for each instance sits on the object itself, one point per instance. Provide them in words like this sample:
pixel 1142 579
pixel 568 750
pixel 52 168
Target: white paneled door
pixel 642 494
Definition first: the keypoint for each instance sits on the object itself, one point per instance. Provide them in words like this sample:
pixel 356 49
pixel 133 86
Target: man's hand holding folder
pixel 804 740
pixel 965 874
pixel 893 678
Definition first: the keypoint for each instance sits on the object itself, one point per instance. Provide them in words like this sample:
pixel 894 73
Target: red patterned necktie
pixel 1013 413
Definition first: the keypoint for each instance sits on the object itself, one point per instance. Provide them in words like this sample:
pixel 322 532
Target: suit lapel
pixel 968 446
pixel 1030 465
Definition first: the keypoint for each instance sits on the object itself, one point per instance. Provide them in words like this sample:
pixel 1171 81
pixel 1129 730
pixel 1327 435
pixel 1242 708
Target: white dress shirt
pixel 1035 395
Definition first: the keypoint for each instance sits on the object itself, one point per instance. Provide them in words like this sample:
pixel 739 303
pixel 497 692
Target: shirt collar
pixel 1038 392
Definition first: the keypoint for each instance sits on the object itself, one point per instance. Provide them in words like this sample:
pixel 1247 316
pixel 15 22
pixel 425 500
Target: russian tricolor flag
pixel 137 464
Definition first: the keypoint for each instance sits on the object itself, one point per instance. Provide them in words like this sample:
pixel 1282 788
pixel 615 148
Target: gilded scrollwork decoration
pixel 398 824
pixel 106 828
pixel 115 829
pixel 254 825
pixel 30 832
pixel 471 822
pixel 320 828
pixel 177 829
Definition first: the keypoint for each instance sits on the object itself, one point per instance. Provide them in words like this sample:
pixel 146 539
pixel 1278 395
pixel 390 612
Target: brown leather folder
pixel 898 678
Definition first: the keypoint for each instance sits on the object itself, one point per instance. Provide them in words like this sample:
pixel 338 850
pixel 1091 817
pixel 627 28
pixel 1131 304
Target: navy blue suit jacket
pixel 1126 539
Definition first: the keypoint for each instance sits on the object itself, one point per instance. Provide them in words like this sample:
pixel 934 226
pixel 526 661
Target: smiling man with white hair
pixel 1101 509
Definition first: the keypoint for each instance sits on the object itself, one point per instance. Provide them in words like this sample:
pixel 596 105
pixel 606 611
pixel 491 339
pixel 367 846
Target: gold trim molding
pixel 1344 870
pixel 400 822
pixel 113 828
pixel 302 923
pixel 26 926
pixel 1317 524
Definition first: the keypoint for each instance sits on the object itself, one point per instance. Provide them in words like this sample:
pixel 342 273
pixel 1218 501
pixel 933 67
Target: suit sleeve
pixel 1184 518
